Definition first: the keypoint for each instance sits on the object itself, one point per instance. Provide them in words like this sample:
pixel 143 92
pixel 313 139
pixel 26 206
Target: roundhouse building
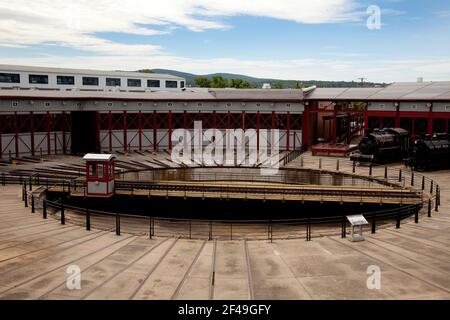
pixel 51 117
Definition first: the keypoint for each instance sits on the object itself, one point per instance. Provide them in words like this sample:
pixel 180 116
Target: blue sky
pixel 287 39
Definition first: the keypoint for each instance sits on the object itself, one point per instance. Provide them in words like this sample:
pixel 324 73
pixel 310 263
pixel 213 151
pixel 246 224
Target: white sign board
pixel 357 220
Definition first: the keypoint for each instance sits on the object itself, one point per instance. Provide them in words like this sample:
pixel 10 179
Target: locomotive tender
pixel 430 152
pixel 383 146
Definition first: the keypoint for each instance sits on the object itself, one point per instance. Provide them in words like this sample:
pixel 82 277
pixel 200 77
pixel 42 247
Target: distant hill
pixel 258 82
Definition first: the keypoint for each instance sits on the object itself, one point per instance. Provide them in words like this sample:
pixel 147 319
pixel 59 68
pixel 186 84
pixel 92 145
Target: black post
pixel 117 224
pixel 308 230
pixel 337 165
pixel 431 186
pixel 31 183
pixel 63 217
pixel 88 220
pixel 354 167
pixel 400 175
pixel 344 228
pixel 44 209
pixel 429 208
pixel 416 216
pixel 385 172
pixel 438 195
pixel 436 205
pixel 423 182
pixel 26 197
pixel 32 204
pixel 374 223
pixel 23 192
pixel 210 231
pixel 370 169
pixel 412 178
pixel 397 225
pixel 3 179
pixel 231 231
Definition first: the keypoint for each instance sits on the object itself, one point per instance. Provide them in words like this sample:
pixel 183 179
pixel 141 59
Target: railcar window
pixel 65 80
pixel 134 82
pixel 9 77
pixel 38 79
pixel 90 81
pixel 113 82
pixel 153 83
pixel 171 84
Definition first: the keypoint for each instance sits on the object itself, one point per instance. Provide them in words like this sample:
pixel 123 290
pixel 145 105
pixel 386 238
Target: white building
pixel 24 77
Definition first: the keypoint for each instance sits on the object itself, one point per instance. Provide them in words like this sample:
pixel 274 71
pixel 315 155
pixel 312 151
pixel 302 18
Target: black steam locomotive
pixel 430 152
pixel 383 146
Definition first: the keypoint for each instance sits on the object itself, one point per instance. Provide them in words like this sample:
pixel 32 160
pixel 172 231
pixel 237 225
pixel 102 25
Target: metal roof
pixel 29 69
pixel 98 157
pixel 186 95
pixel 397 91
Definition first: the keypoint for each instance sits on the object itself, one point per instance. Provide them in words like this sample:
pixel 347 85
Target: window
pixel 93 170
pixel 65 80
pixel 171 84
pixel 229 104
pixel 113 82
pixel 38 79
pixel 10 77
pixel 90 81
pixel 169 104
pixel 447 108
pixel 153 83
pixel 110 104
pixel 100 171
pixel 288 104
pixel 182 84
pixel 47 104
pixel 258 104
pixel 15 104
pixel 134 82
pixel 200 104
pixel 414 106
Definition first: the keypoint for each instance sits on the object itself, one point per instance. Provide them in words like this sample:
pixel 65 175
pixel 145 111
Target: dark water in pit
pixel 220 209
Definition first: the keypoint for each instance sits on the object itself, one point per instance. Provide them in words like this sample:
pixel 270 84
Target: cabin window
pixel 38 79
pixel 9 77
pixel 134 82
pixel 65 80
pixel 182 84
pixel 153 83
pixel 93 170
pixel 171 84
pixel 90 81
pixel 113 82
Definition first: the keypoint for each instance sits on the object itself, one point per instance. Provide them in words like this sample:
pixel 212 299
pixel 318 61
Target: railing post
pixel 32 204
pixel 231 231
pixel 30 183
pixel 397 225
pixel 337 165
pixel 23 192
pixel 370 169
pixel 344 228
pixel 438 195
pixel 308 230
pixel 374 223
pixel 431 186
pixel 63 217
pixel 436 204
pixel 385 172
pixel 400 175
pixel 320 163
pixel 117 224
pixel 423 182
pixel 412 178
pixel 26 197
pixel 210 231
pixel 44 209
pixel 88 220
pixel 416 216
pixel 354 167
pixel 429 208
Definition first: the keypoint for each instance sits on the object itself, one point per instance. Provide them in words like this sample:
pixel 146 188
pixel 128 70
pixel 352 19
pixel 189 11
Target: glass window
pixel 65 80
pixel 171 84
pixel 38 79
pixel 90 81
pixel 153 83
pixel 10 77
pixel 134 82
pixel 93 170
pixel 100 171
pixel 182 84
pixel 113 82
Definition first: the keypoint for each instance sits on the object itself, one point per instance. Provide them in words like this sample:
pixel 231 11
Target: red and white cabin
pixel 99 175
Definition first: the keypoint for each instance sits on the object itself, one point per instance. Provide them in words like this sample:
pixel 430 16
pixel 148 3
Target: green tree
pixel 203 82
pixel 277 85
pixel 146 71
pixel 219 82
pixel 239 83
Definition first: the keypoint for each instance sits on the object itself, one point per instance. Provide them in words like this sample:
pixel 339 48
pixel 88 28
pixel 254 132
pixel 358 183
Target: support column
pixel 110 130
pixel 155 132
pixel 16 134
pixel 170 129
pixel 125 128
pixel 32 147
pixel 430 119
pixel 48 123
pixel 140 129
pixel 288 130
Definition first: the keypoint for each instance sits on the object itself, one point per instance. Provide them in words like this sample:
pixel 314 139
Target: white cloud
pixel 78 24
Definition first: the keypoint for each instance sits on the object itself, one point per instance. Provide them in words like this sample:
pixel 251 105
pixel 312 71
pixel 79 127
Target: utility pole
pixel 362 81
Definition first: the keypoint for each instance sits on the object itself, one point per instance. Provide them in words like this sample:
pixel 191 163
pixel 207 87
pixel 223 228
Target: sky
pixel 283 39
